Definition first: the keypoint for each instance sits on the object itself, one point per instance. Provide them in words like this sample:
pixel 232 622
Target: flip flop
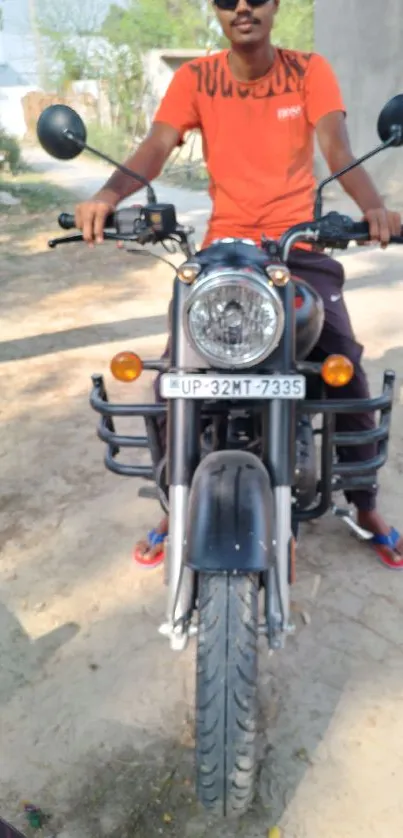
pixel 154 539
pixel 379 542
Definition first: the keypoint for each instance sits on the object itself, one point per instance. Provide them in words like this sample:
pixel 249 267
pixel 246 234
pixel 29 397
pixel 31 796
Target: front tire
pixel 226 692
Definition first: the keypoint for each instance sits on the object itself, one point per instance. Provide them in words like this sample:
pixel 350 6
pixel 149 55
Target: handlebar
pixel 156 222
pixel 147 224
pixel 333 231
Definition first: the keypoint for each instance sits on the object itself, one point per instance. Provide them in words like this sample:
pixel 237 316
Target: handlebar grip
pixel 361 230
pixel 66 221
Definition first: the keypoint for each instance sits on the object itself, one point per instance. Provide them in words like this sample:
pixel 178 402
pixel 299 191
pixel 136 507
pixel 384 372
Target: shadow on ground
pixel 111 680
pixel 50 343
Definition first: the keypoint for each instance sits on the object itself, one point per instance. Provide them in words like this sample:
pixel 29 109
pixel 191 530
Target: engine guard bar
pixel 350 476
pixel 334 476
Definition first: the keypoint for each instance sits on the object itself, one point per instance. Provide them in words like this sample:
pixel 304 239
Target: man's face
pixel 246 24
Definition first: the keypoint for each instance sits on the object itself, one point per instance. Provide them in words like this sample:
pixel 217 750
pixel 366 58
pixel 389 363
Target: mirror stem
pixel 151 196
pixel 395 134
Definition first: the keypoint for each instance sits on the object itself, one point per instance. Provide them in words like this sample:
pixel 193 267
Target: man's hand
pixel 383 224
pixel 90 217
pixel 148 161
pixel 335 145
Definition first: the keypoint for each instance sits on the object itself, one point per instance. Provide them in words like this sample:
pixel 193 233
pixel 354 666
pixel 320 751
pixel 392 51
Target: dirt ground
pixel 96 712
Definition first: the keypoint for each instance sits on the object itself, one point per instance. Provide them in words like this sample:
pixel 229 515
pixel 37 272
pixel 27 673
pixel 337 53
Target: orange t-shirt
pixel 258 137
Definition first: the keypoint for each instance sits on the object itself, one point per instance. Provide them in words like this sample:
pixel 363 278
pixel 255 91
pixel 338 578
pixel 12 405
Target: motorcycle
pixel 240 469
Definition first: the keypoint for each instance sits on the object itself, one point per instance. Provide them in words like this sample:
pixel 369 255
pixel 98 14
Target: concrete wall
pixel 20 106
pixel 159 68
pixel 363 39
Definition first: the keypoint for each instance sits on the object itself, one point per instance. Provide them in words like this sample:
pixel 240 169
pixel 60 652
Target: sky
pixel 16 46
pixel 16 42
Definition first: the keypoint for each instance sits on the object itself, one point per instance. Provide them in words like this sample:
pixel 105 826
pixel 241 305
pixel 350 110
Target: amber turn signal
pixel 188 272
pixel 279 274
pixel 337 371
pixel 126 366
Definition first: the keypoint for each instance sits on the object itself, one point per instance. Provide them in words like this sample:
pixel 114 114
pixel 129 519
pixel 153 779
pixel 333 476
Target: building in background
pixel 364 43
pixel 159 67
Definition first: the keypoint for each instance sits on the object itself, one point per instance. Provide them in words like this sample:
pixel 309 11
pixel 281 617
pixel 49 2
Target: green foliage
pixel 77 18
pixel 124 74
pixel 10 148
pixel 155 24
pixel 295 24
pixel 66 31
pixel 142 25
pixel 113 141
pixel 34 193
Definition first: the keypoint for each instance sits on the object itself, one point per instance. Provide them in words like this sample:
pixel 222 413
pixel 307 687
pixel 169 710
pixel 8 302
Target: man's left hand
pixel 383 224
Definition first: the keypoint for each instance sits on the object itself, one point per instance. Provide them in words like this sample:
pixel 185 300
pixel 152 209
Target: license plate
pixel 191 386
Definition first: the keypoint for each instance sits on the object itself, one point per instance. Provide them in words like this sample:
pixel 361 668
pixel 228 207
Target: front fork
pixel 179 577
pixel 182 460
pixel 278 608
pixel 183 450
pixel 279 435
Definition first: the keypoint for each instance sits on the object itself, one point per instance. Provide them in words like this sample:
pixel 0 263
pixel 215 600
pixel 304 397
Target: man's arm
pixel 176 114
pixel 335 146
pixel 148 161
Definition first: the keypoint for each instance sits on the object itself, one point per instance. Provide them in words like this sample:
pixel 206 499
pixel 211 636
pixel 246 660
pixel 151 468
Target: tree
pixel 156 24
pixel 295 25
pixel 142 25
pixel 68 30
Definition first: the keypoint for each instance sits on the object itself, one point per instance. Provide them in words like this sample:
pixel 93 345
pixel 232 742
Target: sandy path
pixel 96 712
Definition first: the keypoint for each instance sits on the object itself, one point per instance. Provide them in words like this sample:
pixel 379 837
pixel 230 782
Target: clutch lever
pixel 78 237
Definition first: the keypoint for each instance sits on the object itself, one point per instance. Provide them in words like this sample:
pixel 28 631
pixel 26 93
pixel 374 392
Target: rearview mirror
pixel 390 122
pixel 61 132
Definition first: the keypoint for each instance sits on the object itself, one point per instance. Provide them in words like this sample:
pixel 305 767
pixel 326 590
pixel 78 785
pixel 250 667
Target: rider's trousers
pixel 326 275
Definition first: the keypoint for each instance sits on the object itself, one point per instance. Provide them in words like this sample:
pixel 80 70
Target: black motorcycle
pixel 232 446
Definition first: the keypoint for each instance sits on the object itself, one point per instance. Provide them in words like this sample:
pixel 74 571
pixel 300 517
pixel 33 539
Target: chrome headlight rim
pixel 244 277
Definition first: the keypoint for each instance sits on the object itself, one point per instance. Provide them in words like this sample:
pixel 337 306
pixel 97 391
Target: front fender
pixel 230 515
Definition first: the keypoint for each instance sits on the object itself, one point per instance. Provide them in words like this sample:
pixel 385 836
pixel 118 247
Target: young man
pixel 258 108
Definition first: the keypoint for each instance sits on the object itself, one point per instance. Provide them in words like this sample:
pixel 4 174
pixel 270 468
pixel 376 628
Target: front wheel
pixel 226 692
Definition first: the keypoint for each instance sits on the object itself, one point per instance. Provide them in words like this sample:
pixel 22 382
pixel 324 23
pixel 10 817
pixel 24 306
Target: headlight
pixel 234 318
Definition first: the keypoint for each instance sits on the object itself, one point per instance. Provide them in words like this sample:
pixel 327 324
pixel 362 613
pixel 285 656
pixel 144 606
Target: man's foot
pixel 387 542
pixel 150 552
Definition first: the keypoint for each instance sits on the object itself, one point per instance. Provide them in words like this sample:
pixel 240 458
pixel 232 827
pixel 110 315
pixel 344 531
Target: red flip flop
pixel 383 545
pixel 154 539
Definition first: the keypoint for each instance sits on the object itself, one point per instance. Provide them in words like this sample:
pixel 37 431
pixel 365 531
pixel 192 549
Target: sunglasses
pixel 230 5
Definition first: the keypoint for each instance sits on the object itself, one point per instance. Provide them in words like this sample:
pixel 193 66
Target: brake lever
pixel 118 237
pixel 78 237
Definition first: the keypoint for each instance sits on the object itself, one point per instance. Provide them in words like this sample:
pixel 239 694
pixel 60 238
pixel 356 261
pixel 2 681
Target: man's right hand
pixel 90 217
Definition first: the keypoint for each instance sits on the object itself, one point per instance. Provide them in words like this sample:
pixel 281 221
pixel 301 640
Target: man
pixel 258 108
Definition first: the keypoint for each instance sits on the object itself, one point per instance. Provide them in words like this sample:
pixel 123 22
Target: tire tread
pixel 226 692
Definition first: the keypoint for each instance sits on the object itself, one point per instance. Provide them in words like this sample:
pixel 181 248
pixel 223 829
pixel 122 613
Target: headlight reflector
pixel 234 318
